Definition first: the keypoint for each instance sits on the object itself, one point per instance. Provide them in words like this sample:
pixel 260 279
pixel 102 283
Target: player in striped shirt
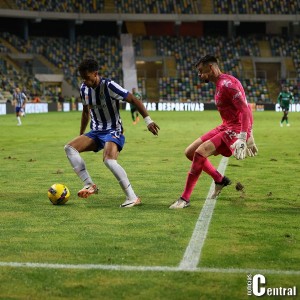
pixel 227 139
pixel 19 100
pixel 100 97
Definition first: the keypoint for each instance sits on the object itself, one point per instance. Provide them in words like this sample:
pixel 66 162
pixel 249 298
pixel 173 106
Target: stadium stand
pixel 66 56
pixel 71 6
pixel 256 7
pixel 176 80
pixel 256 90
pixel 184 86
pixel 11 76
pixel 286 46
pixel 162 7
pixel 123 6
pixel 155 7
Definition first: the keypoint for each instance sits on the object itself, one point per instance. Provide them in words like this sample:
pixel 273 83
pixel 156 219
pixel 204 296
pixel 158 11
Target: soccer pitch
pixel 92 249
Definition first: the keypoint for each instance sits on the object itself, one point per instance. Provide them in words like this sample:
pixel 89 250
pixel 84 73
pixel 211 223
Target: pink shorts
pixel 222 138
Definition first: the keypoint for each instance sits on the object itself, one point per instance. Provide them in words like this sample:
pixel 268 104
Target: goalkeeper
pixel 226 139
pixel 285 98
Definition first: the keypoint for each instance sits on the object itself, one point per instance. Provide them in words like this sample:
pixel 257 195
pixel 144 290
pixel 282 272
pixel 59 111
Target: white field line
pixel 144 268
pixel 192 253
pixel 188 263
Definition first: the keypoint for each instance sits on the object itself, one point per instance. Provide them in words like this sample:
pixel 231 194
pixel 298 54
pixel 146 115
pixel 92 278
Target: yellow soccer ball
pixel 58 194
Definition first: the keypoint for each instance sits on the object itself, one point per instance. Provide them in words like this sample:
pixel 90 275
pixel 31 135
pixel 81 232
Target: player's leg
pixel 132 111
pixel 283 117
pixel 22 112
pixel 110 155
pixel 202 152
pixel 205 149
pixel 222 142
pixel 189 153
pixel 81 144
pixel 18 115
pixel 286 118
pixel 190 150
pixel 207 167
pixel 209 144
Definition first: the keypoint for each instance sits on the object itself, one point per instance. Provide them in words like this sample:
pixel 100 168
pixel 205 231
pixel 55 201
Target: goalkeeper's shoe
pixel 130 203
pixel 180 203
pixel 219 186
pixel 88 190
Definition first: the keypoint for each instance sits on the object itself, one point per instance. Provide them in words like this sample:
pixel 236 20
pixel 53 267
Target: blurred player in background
pixel 226 139
pixel 285 98
pixel 133 108
pixel 19 101
pixel 100 97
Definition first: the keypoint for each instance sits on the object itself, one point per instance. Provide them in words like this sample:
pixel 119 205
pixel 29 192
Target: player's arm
pixel 152 126
pixel 85 116
pixel 14 100
pixel 292 98
pixel 25 100
pixel 279 99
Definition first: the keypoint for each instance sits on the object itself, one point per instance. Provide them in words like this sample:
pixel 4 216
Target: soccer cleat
pixel 87 191
pixel 180 203
pixel 137 119
pixel 219 186
pixel 134 122
pixel 130 203
pixel 288 124
pixel 281 125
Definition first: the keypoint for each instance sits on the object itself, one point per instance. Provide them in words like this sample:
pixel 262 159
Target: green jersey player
pixel 285 98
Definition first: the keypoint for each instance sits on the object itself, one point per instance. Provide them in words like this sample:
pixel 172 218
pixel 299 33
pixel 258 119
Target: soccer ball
pixel 58 194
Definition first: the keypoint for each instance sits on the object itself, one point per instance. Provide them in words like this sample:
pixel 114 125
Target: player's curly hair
pixel 207 59
pixel 88 65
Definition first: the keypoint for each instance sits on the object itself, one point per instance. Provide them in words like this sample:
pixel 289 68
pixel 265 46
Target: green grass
pixel 255 229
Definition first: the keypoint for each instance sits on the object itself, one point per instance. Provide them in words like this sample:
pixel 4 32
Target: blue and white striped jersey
pixel 20 98
pixel 103 102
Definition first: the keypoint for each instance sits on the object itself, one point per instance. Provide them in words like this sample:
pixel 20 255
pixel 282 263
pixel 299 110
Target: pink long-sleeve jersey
pixel 232 105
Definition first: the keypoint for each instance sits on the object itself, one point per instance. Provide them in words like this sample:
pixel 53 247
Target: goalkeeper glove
pixel 252 149
pixel 239 146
